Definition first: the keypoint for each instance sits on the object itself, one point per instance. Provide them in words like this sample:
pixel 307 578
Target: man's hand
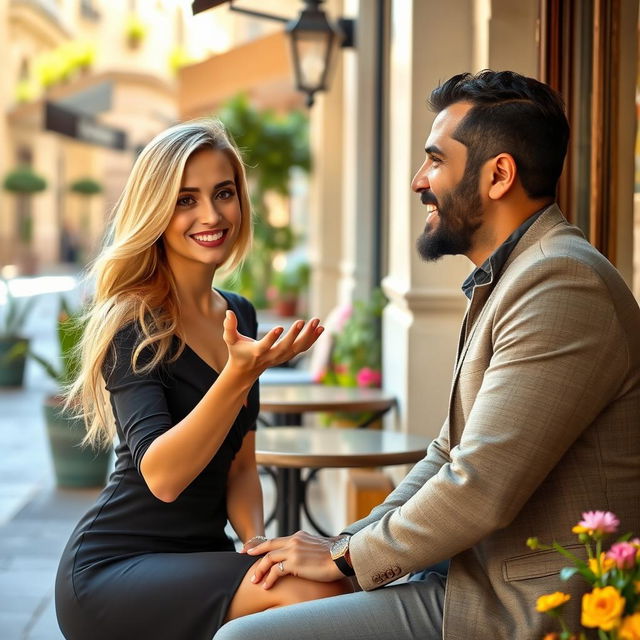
pixel 301 554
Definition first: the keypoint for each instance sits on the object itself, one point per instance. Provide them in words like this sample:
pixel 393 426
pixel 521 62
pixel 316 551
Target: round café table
pixel 292 449
pixel 288 402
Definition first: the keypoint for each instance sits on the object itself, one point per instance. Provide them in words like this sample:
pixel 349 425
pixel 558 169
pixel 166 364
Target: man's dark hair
pixel 511 114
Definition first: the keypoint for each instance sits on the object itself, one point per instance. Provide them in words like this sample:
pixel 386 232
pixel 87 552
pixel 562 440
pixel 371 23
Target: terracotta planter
pixel 12 367
pixel 75 466
pixel 286 307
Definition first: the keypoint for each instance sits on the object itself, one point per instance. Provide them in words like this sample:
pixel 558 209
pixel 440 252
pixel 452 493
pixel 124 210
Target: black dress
pixel 136 568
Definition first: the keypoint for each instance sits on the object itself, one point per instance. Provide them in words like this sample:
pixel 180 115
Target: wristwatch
pixel 340 555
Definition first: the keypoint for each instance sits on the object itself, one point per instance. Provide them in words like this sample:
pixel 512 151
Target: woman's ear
pixel 503 175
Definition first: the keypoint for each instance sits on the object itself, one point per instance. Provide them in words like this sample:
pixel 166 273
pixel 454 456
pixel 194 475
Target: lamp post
pixel 313 40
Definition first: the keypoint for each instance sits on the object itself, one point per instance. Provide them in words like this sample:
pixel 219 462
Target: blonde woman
pixel 171 366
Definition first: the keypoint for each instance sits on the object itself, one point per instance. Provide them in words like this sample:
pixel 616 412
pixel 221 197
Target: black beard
pixel 460 215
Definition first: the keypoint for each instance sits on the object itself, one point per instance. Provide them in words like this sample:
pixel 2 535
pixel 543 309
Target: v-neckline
pixel 194 352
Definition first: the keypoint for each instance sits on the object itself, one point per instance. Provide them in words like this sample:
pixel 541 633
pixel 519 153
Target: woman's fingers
pixel 230 328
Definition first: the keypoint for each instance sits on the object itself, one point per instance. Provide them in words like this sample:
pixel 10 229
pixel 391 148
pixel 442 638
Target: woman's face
pixel 206 219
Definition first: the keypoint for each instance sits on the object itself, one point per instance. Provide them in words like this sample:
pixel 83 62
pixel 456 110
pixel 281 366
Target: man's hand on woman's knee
pixel 302 554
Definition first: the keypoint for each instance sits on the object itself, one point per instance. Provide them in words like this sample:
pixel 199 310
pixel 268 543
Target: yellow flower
pixel 630 628
pixel 602 608
pixel 606 563
pixel 551 601
pixel 580 529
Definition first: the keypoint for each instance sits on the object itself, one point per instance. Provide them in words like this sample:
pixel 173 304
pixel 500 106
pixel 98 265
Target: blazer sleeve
pixel 554 332
pixel 437 454
pixel 138 400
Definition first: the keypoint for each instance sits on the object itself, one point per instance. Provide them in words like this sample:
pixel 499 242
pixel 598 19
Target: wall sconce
pixel 313 40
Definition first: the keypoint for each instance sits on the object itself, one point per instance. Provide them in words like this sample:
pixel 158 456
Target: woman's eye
pixel 225 194
pixel 185 201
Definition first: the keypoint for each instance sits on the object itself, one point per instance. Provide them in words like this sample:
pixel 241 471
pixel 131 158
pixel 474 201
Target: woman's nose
pixel 208 213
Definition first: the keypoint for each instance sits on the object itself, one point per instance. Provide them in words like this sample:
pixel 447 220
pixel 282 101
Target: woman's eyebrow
pixel 224 183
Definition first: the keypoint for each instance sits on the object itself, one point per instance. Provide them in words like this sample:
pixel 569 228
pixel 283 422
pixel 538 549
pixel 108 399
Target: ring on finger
pixel 281 566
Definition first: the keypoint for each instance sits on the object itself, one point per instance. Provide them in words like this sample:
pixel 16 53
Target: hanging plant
pixel 178 58
pixel 135 30
pixel 85 187
pixel 24 180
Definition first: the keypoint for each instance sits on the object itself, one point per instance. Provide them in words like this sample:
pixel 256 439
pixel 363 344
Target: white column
pixel 359 136
pixel 430 41
pixel 325 190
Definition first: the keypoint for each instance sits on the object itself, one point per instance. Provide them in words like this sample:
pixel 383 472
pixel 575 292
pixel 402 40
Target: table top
pixel 300 398
pixel 296 447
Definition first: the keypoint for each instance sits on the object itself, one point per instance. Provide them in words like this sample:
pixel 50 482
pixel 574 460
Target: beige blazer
pixel 542 425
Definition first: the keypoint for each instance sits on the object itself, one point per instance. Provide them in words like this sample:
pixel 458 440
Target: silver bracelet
pixel 261 538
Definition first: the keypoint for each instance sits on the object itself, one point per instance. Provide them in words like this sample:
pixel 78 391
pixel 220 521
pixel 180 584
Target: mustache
pixel 427 197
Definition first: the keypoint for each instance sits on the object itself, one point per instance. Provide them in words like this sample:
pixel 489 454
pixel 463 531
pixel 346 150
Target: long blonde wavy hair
pixel 133 282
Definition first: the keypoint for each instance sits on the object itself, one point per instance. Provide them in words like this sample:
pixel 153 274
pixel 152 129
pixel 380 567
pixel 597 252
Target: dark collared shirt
pixel 494 263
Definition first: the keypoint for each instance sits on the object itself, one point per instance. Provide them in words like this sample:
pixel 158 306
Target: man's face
pixel 449 189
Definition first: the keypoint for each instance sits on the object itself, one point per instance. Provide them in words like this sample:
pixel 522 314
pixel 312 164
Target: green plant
pixel 178 58
pixel 292 281
pixel 85 187
pixel 24 182
pixel 15 313
pixel 272 145
pixel 69 330
pixel 135 30
pixel 356 355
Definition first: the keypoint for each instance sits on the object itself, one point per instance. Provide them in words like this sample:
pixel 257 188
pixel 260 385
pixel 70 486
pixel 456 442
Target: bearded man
pixel 544 411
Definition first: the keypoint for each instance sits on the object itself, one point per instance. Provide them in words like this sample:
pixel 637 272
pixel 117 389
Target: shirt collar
pixel 485 273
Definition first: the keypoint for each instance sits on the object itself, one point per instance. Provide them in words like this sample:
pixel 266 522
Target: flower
pixel 599 522
pixel 551 601
pixel 623 554
pixel 368 377
pixel 630 628
pixel 606 564
pixel 602 608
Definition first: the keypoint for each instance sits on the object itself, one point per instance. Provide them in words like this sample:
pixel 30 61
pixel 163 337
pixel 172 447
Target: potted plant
pixel 355 358
pixel 24 182
pixel 75 465
pixel 287 286
pixel 135 31
pixel 13 344
pixel 86 188
pixel 273 145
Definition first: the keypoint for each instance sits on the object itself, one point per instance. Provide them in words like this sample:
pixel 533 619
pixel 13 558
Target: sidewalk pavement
pixel 35 517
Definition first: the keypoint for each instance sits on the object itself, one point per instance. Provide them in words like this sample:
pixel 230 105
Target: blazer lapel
pixel 482 293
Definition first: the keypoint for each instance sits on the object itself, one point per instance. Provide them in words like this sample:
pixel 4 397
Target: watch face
pixel 339 547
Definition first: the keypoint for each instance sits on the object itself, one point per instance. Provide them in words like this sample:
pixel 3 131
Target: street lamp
pixel 313 40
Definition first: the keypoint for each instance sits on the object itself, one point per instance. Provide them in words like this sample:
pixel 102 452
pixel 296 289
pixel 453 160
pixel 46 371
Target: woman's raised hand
pixel 255 356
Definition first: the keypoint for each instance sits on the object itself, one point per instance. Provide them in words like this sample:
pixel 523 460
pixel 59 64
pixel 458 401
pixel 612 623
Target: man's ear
pixel 503 172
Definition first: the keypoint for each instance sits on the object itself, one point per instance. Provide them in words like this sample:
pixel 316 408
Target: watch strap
pixel 344 566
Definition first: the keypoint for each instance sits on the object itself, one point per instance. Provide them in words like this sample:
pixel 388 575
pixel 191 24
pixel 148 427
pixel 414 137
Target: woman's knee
pixel 300 590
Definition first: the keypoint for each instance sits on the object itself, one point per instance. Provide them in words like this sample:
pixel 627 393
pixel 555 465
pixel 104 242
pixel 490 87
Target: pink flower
pixel 623 554
pixel 368 377
pixel 343 314
pixel 599 522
